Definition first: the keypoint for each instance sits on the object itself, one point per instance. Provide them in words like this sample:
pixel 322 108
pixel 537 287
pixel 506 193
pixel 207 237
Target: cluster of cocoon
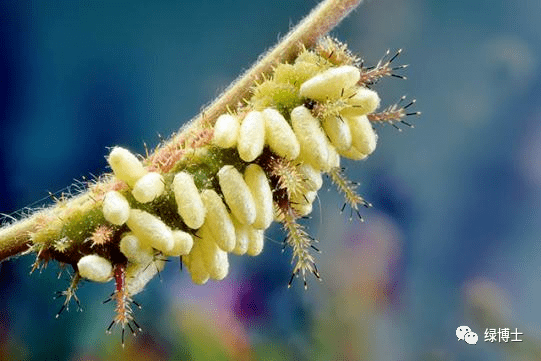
pixel 233 218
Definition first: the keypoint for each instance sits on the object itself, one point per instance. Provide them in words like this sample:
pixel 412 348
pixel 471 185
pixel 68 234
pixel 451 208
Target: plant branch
pixel 15 238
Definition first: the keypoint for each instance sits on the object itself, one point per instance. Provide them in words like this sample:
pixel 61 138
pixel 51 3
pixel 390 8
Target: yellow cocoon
pixel 214 258
pixel 255 241
pixel 279 135
pixel 337 130
pixel 196 265
pixel 190 205
pixel 218 220
pixel 95 268
pixel 251 136
pixel 331 83
pixel 259 186
pixel 312 178
pixel 135 252
pixel 364 137
pixel 241 233
pixel 150 230
pixel 148 187
pixel 365 101
pixel 116 209
pixel 183 244
pixel 237 194
pixel 226 131
pixel 125 165
pixel 313 141
pixel 139 274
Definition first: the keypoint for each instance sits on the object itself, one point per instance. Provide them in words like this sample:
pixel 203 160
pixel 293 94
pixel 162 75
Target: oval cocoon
pixel 279 135
pixel 148 187
pixel 115 208
pixel 311 137
pixel 364 137
pixel 125 165
pixel 189 202
pixel 260 188
pixel 237 194
pixel 183 243
pixel 218 220
pixel 251 136
pixel 312 178
pixel 215 259
pixel 139 274
pixel 226 131
pixel 337 130
pixel 95 268
pixel 330 83
pixel 255 241
pixel 196 265
pixel 135 252
pixel 364 101
pixel 150 230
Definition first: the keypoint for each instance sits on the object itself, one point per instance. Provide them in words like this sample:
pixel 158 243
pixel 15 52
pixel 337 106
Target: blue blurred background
pixel 453 237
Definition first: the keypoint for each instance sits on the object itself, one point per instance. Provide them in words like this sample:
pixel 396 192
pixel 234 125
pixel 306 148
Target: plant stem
pixel 15 238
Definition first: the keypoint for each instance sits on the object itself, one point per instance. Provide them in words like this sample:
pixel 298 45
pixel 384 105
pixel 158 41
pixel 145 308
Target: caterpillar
pixel 215 191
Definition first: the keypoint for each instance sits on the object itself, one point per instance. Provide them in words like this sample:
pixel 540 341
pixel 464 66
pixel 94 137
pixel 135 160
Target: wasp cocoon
pixel 237 194
pixel 312 178
pixel 364 137
pixel 255 241
pixel 241 234
pixel 251 136
pixel 260 188
pixel 150 230
pixel 331 83
pixel 364 101
pixel 190 205
pixel 125 165
pixel 95 268
pixel 313 141
pixel 183 243
pixel 337 130
pixel 148 187
pixel 214 257
pixel 196 265
pixel 226 131
pixel 279 135
pixel 139 274
pixel 116 209
pixel 218 220
pixel 135 252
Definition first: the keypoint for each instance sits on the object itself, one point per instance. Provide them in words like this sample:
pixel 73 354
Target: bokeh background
pixel 454 235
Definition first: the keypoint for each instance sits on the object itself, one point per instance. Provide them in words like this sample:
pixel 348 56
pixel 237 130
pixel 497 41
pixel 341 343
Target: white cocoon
pixel 135 252
pixel 338 131
pixel 139 274
pixel 125 165
pixel 259 186
pixel 241 233
pixel 365 101
pixel 183 243
pixel 196 265
pixel 150 230
pixel 226 131
pixel 313 141
pixel 116 209
pixel 312 178
pixel 214 258
pixel 189 202
pixel 237 194
pixel 279 135
pixel 364 137
pixel 148 187
pixel 330 83
pixel 255 241
pixel 95 268
pixel 218 220
pixel 251 136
